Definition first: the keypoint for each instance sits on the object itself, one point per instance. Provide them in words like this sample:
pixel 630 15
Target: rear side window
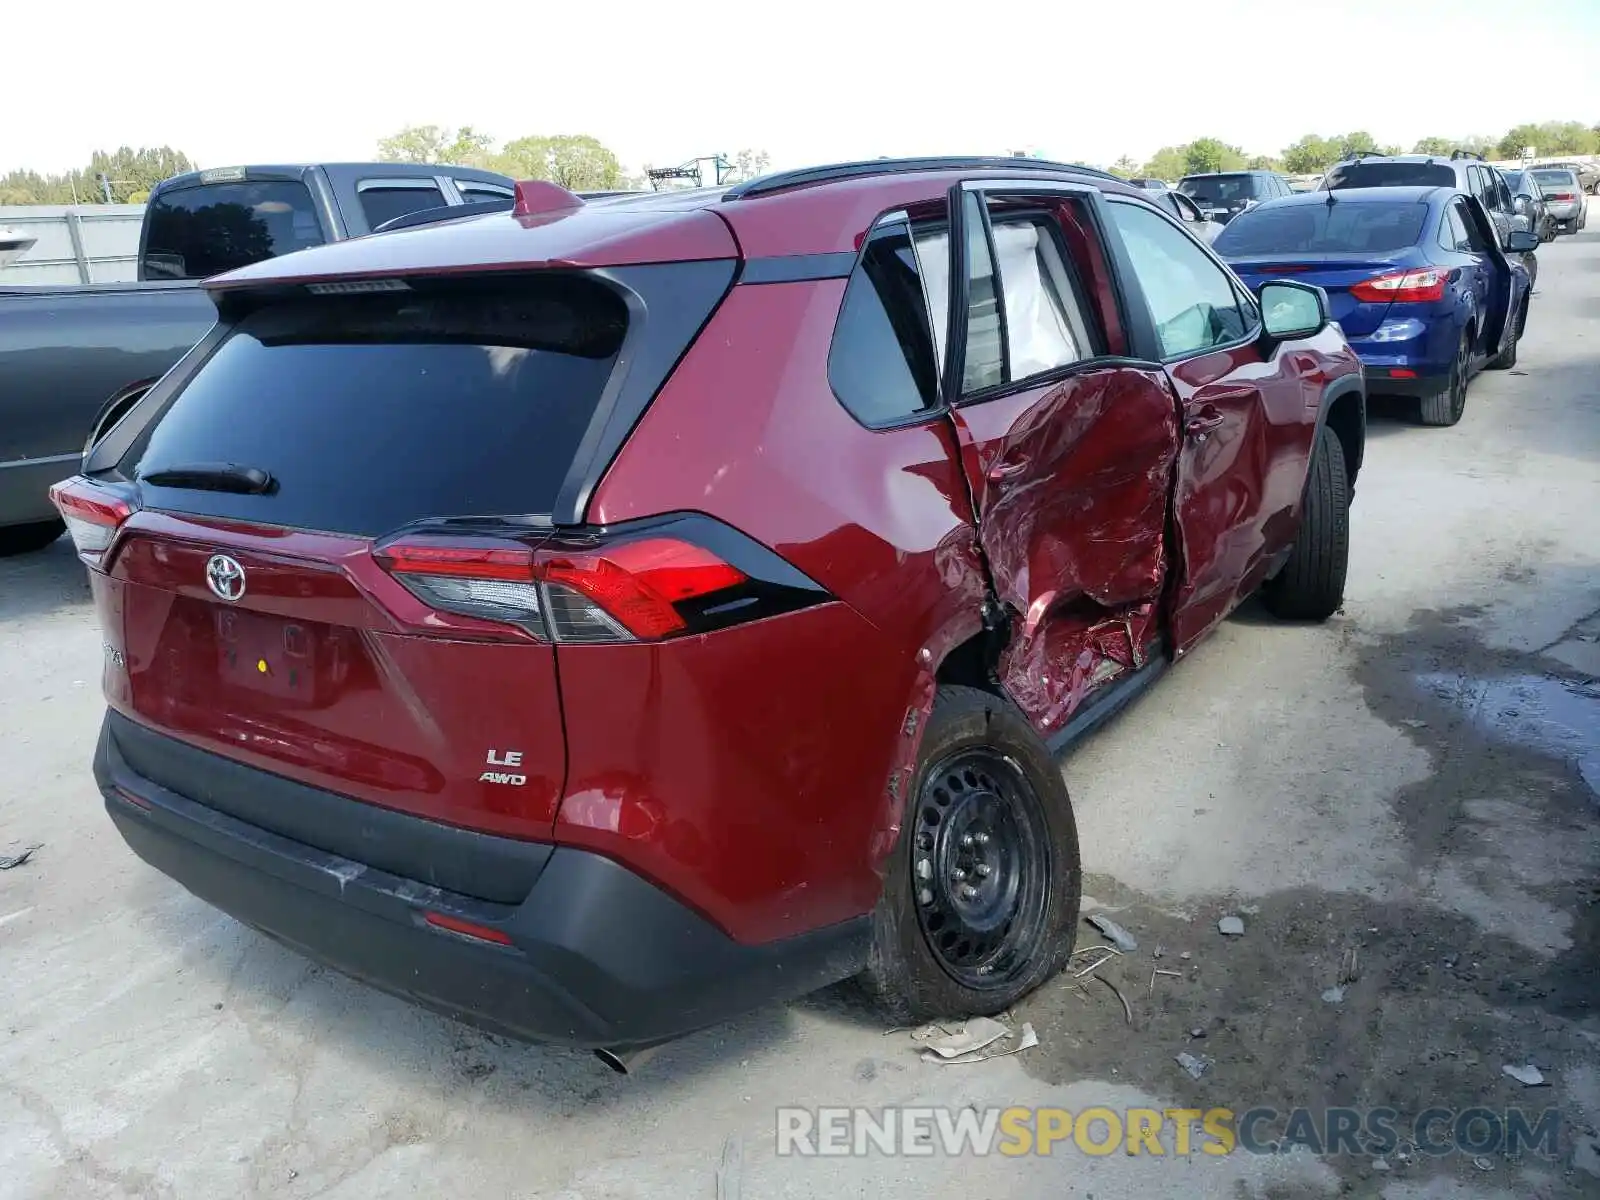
pixel 384 201
pixel 882 361
pixel 370 412
pixel 1391 174
pixel 196 232
pixel 471 190
pixel 1324 228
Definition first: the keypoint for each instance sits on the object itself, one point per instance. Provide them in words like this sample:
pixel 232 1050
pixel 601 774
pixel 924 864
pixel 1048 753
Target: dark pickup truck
pixel 73 359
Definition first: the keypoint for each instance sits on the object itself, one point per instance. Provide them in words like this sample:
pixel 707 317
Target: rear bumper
pixel 25 488
pixel 598 957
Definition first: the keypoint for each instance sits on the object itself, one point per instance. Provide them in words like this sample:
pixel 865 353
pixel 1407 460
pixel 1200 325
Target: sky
pixel 239 81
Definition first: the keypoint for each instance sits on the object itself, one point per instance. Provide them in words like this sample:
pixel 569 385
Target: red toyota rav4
pixel 597 619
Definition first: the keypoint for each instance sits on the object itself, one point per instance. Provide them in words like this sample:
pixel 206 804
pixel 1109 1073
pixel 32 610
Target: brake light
pixel 637 584
pixel 1563 196
pixel 628 591
pixel 1411 286
pixel 92 515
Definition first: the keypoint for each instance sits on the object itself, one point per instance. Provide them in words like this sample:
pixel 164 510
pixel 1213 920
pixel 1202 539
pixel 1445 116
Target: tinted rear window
pixel 371 412
pixel 1392 174
pixel 1221 189
pixel 1324 229
pixel 1556 179
pixel 197 232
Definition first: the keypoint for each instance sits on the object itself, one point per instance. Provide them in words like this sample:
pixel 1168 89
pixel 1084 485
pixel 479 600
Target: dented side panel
pixel 1072 482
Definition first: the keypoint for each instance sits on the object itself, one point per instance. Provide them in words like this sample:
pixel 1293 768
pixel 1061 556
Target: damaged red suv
pixel 595 620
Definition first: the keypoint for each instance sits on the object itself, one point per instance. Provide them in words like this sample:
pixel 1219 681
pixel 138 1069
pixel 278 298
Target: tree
pixel 131 174
pixel 1265 162
pixel 464 147
pixel 1125 168
pixel 747 164
pixel 1359 142
pixel 1434 145
pixel 1211 154
pixel 1169 163
pixel 578 162
pixel 1550 137
pixel 1310 155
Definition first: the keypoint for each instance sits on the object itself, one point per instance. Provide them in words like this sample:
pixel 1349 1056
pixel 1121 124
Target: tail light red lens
pixel 92 514
pixel 628 591
pixel 1564 196
pixel 1406 286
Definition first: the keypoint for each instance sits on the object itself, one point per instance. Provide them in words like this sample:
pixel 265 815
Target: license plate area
pixel 272 656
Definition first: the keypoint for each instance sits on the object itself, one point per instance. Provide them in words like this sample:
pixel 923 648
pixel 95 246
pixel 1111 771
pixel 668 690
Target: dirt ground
pixel 1402 804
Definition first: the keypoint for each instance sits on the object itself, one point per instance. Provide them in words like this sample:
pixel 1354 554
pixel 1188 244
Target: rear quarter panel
pixel 785 746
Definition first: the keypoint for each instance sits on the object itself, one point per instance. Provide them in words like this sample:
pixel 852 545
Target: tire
pixel 1507 358
pixel 1310 586
pixel 987 795
pixel 1446 407
pixel 25 539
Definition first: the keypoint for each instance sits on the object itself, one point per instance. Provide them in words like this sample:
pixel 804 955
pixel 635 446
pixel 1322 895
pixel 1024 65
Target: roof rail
pixel 1455 154
pixel 765 184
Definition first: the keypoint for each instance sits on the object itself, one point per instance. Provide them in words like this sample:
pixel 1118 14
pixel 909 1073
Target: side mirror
pixel 1521 241
pixel 1292 310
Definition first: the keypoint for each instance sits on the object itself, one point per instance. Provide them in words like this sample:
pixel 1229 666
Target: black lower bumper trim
pixel 1381 384
pixel 599 957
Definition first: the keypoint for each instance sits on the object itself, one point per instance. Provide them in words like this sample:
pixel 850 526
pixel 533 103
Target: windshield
pixel 1219 189
pixel 1391 174
pixel 197 232
pixel 1365 228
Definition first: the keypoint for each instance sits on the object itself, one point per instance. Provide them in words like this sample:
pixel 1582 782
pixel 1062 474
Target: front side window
pixel 1453 232
pixel 883 363
pixel 1192 300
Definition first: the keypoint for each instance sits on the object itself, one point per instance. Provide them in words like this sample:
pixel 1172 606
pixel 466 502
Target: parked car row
pixel 489 718
pixel 1429 264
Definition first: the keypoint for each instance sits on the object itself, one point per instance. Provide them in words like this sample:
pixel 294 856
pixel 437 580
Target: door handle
pixel 1000 472
pixel 1202 423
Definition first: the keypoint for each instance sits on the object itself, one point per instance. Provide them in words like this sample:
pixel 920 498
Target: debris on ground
pixel 1333 995
pixel 1127 1009
pixel 1380 1164
pixel 1528 1076
pixel 982 1038
pixel 1114 933
pixel 1158 951
pixel 1197 1032
pixel 1231 926
pixel 1349 966
pixel 1186 956
pixel 16 860
pixel 1195 1066
pixel 974 1035
pixel 1483 1164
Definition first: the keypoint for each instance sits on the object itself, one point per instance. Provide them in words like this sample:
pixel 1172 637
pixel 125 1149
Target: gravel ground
pixel 1401 807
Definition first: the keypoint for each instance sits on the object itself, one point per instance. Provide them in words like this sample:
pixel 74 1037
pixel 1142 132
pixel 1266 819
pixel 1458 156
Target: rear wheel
pixel 980 898
pixel 25 539
pixel 1446 407
pixel 1310 587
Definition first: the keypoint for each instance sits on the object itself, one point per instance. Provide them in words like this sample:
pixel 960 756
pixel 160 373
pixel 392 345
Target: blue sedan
pixel 1415 277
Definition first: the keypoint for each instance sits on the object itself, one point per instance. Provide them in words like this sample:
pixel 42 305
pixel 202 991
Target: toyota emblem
pixel 225 577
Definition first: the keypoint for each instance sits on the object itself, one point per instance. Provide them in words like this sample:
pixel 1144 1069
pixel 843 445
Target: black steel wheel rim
pixel 980 866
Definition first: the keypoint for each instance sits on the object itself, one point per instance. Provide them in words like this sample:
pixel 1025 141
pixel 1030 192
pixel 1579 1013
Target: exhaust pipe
pixel 626 1062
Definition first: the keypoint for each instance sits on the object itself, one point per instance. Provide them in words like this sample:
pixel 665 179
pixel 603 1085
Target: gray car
pixel 1563 197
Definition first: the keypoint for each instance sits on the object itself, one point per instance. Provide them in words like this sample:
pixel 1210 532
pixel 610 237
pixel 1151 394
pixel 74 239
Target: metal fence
pixel 87 243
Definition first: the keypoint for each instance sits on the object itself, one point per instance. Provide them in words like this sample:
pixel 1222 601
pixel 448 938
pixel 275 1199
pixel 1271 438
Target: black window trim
pixel 1135 321
pixel 999 295
pixel 1252 333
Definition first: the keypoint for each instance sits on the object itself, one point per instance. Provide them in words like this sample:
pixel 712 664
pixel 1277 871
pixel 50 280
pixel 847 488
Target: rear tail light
pixel 1423 285
pixel 643 587
pixel 1567 196
pixel 92 514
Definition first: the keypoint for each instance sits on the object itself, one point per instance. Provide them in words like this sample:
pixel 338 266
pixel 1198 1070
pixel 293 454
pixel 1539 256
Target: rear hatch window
pixel 1367 228
pixel 1220 190
pixel 197 232
pixel 369 412
pixel 1391 174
